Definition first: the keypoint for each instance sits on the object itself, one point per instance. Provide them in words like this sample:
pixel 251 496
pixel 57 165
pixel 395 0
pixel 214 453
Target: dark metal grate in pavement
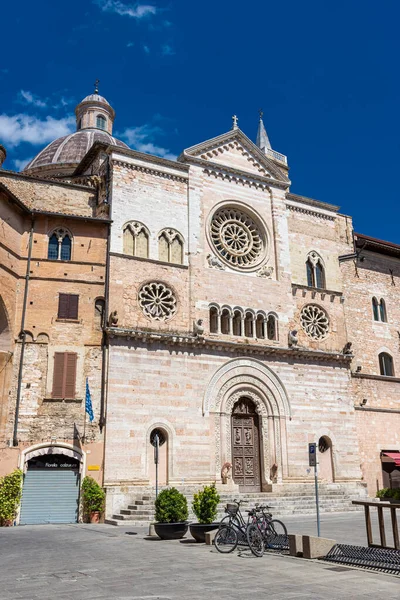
pixel 380 559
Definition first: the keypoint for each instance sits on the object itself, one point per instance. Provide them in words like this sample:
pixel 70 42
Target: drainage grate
pixel 380 559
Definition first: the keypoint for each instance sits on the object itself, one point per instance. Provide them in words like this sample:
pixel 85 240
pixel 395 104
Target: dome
pixel 95 98
pixel 64 154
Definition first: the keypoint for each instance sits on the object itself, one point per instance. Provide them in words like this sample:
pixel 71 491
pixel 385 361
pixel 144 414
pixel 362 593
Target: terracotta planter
pixel 95 516
pixel 199 530
pixel 8 523
pixel 171 531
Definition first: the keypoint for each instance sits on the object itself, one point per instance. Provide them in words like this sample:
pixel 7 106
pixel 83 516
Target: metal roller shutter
pixel 50 497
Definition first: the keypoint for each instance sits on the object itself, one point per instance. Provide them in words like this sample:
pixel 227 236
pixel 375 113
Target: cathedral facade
pixel 240 321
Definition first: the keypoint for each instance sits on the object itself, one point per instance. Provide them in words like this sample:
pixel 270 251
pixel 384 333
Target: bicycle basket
pixel 232 509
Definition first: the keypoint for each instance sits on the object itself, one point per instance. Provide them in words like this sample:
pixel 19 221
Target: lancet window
pixel 170 246
pixel 315 271
pixel 136 240
pixel 60 245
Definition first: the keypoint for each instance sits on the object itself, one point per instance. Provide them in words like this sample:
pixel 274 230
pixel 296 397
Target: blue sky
pixel 325 74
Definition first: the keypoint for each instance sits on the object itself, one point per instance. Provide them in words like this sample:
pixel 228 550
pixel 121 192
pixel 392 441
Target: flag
pixel 88 402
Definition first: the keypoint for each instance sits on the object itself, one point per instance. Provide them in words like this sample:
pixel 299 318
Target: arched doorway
pixel 246 468
pixel 50 492
pixel 162 456
pixel 325 459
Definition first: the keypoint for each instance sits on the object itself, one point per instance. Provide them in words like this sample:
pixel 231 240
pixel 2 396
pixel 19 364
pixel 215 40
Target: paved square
pixel 89 562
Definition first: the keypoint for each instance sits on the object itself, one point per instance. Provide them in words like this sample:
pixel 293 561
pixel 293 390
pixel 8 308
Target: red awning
pixel 395 456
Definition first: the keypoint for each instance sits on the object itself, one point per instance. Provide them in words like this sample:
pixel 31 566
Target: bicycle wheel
pixel 226 539
pixel 255 540
pixel 276 534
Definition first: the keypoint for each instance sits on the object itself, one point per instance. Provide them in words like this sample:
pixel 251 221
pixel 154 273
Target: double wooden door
pixel 246 446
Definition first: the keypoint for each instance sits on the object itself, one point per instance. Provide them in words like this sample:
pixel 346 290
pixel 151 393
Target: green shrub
pixel 93 496
pixel 171 506
pixel 381 493
pixel 10 495
pixel 205 504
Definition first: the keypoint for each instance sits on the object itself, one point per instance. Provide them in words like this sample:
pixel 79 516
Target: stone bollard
pixel 152 531
pixel 316 547
pixel 295 545
pixel 210 535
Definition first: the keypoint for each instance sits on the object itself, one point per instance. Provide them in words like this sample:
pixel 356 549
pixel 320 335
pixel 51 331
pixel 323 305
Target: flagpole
pixel 84 426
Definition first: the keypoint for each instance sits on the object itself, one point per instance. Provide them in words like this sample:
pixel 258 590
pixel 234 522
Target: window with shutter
pixel 68 306
pixel 64 376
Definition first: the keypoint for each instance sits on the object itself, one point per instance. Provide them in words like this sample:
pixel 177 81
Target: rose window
pixel 157 301
pixel 237 238
pixel 314 321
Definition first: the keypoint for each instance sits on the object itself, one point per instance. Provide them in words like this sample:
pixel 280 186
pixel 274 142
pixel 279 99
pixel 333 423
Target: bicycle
pixel 233 529
pixel 273 531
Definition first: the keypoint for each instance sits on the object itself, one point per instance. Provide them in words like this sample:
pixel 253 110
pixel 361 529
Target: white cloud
pixel 167 50
pixel 27 128
pixel 20 164
pixel 142 139
pixel 137 11
pixel 130 44
pixel 28 98
pixel 146 49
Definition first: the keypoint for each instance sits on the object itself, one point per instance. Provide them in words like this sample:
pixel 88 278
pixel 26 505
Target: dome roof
pixel 68 151
pixel 95 98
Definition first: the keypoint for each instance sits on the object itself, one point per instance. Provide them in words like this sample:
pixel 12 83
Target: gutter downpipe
pixel 22 336
pixel 104 341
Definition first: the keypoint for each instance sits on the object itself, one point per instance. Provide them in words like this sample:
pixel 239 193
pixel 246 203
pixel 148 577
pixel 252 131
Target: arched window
pixel 237 323
pixel 375 309
pixel 101 122
pixel 225 321
pixel 213 319
pixel 315 271
pixel 382 310
pixel 260 327
pixel 60 245
pixel 99 306
pixel 79 124
pixel 386 364
pixel 249 325
pixel 170 246
pixel 272 327
pixel 136 240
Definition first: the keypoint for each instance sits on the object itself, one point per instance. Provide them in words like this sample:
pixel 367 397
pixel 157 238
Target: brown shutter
pixel 58 375
pixel 73 306
pixel 63 302
pixel 70 375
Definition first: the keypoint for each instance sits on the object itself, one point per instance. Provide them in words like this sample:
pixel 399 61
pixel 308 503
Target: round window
pixel 237 238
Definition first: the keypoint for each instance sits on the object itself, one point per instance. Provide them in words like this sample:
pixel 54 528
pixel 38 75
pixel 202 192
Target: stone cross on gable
pixel 234 122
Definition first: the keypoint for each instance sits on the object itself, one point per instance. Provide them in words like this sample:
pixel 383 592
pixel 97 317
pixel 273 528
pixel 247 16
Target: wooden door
pixel 245 446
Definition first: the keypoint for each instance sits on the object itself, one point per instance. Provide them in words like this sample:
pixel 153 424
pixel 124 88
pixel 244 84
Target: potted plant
pixel 10 497
pixel 389 495
pixel 204 506
pixel 93 497
pixel 171 514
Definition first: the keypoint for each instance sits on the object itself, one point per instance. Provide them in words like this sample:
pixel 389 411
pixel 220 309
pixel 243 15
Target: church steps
pixel 300 501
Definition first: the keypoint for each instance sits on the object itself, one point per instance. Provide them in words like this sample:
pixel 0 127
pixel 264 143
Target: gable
pixel 235 150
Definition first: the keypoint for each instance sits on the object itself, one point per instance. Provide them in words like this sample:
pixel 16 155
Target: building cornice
pixel 308 211
pixel 193 341
pixel 312 202
pixel 238 175
pixel 150 170
pixel 376 377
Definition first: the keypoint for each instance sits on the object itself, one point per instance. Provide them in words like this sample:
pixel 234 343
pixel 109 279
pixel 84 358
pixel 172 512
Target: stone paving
pixel 99 562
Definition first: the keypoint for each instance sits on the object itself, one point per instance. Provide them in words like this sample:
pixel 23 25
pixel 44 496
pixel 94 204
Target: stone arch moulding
pixel 328 433
pixel 252 379
pixel 252 372
pixel 170 431
pixel 49 449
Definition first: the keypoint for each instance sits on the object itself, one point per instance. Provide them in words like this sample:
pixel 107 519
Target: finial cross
pixel 261 113
pixel 234 122
pixel 96 86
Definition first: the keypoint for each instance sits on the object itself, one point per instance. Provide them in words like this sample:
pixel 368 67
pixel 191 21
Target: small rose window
pixel 314 321
pixel 157 301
